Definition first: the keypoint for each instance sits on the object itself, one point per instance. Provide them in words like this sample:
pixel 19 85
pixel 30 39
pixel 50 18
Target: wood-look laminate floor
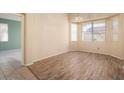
pixel 11 68
pixel 79 66
pixel 67 66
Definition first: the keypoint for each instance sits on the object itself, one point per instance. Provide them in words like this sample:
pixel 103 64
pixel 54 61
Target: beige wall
pixel 46 35
pixel 108 47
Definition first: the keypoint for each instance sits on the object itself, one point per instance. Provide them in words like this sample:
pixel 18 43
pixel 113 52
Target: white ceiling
pixel 77 17
pixel 10 16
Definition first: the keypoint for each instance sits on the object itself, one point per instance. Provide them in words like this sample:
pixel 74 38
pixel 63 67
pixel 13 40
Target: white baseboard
pixel 68 51
pixel 45 58
pixel 104 54
pixel 28 64
pixel 116 56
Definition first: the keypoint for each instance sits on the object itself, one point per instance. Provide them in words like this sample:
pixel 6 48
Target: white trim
pixel 28 64
pixel 22 17
pixel 45 58
pixel 66 52
pixel 101 53
pixel 115 56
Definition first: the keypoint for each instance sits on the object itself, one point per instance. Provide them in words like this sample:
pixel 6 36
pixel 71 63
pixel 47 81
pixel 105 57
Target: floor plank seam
pixel 33 73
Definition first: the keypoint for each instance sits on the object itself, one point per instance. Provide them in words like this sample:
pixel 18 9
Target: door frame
pixel 22 15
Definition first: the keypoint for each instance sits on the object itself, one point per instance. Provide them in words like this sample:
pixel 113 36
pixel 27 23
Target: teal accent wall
pixel 14 35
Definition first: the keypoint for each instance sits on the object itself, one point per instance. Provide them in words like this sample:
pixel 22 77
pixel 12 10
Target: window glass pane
pixel 87 31
pixel 99 28
pixel 115 28
pixel 3 32
pixel 73 32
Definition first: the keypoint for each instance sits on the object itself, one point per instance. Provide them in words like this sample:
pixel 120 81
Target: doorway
pixel 11 44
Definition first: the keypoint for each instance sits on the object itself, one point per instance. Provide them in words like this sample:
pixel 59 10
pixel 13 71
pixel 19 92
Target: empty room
pixel 62 46
pixel 10 44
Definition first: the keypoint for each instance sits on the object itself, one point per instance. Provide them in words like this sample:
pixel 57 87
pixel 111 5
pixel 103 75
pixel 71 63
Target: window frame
pixel 83 31
pixel 7 33
pixel 113 29
pixel 71 32
pixel 105 30
pixel 92 24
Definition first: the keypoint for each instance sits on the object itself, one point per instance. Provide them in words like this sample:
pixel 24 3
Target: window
pixel 87 31
pixel 73 32
pixel 3 32
pixel 115 28
pixel 94 31
pixel 99 28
